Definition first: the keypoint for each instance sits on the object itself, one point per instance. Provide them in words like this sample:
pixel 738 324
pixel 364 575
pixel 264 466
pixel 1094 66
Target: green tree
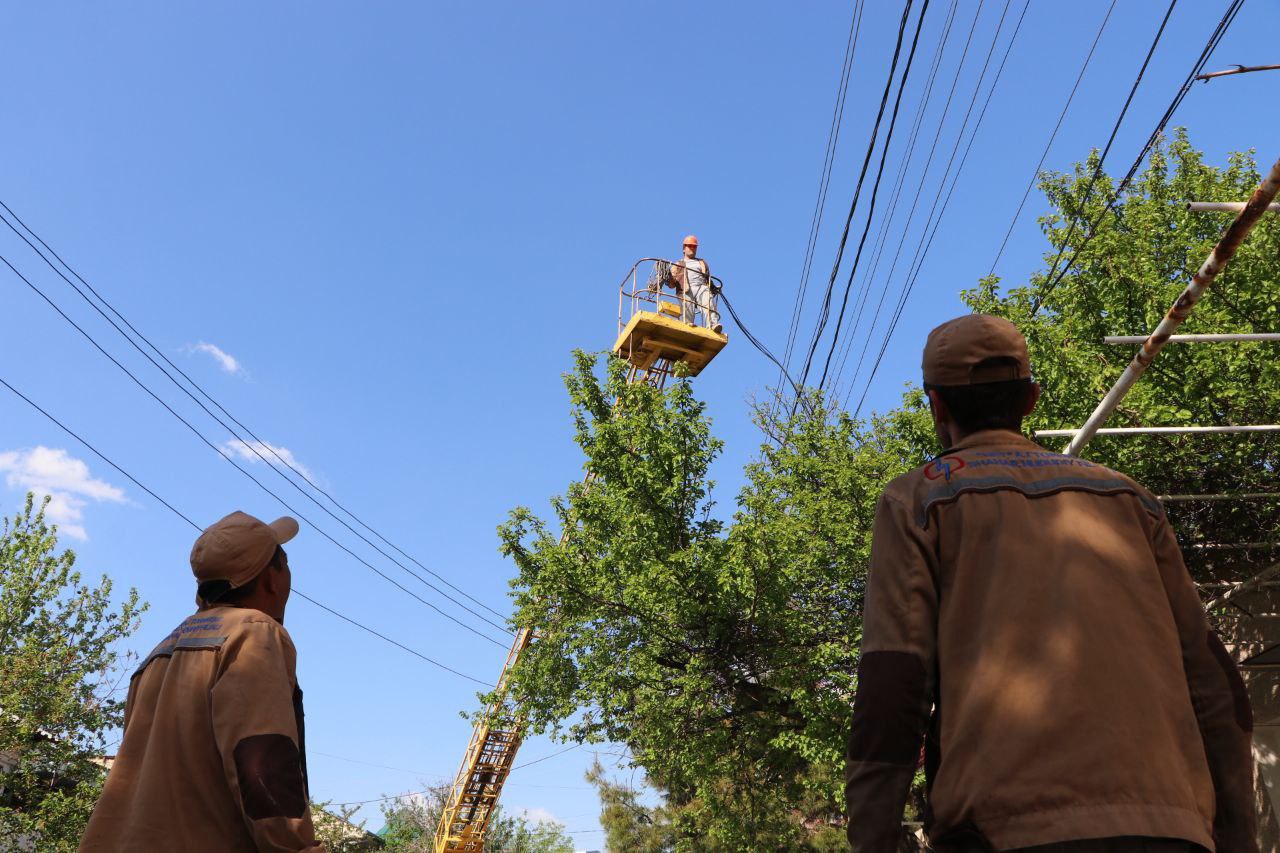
pixel 628 824
pixel 60 686
pixel 722 654
pixel 1122 282
pixel 338 832
pixel 411 825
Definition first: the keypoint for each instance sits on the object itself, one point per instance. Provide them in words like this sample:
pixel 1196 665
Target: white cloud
pixel 64 479
pixel 250 450
pixel 539 815
pixel 225 360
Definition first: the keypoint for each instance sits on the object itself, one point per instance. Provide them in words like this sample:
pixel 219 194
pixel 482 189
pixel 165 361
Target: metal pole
pixel 1239 69
pixel 1243 496
pixel 1252 583
pixel 1197 339
pixel 1158 430
pixel 1224 207
pixel 1221 255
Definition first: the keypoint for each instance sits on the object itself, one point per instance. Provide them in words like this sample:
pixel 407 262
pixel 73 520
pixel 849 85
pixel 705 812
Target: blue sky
pixel 398 219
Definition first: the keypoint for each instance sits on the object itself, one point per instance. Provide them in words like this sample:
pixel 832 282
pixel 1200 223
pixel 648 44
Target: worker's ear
pixel 1032 399
pixel 936 404
pixel 941 416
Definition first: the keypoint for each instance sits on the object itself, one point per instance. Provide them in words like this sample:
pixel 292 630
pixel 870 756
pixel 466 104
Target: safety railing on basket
pixel 665 290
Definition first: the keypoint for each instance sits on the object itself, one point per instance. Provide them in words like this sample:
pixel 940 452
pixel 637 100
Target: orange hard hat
pixel 690 240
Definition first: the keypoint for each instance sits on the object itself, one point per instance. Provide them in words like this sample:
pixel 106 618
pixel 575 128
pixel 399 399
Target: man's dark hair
pixel 221 592
pixel 988 405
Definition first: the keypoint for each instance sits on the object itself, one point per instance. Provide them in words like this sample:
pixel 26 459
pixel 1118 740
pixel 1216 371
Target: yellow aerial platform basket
pixel 651 332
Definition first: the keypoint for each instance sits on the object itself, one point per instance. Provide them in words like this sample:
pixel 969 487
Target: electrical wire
pixel 237 466
pixel 946 172
pixel 945 199
pixel 1035 173
pixel 819 208
pixel 197 527
pixel 926 96
pixel 1228 17
pixel 875 189
pixel 755 342
pixel 1097 171
pixel 824 313
pixel 254 448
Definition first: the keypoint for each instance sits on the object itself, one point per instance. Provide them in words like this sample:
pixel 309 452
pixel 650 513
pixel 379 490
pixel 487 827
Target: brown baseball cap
pixel 955 350
pixel 238 547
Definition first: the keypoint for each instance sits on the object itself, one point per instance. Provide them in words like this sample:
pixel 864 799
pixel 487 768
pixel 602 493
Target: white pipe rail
pixel 1241 496
pixel 1158 430
pixel 1197 339
pixel 1254 582
pixel 1221 255
pixel 1225 207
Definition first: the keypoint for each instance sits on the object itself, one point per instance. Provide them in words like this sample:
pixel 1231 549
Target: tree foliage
pixel 723 654
pixel 60 691
pixel 1122 282
pixel 411 823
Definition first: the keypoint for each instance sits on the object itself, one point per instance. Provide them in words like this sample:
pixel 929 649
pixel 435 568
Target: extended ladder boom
pixel 653 341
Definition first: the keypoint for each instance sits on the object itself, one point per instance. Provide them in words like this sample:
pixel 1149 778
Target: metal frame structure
pixel 1219 257
pixel 653 342
pixel 1197 339
pixel 1160 430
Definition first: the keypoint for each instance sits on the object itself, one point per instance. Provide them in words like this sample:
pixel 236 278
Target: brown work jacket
pixel 212 757
pixel 1032 612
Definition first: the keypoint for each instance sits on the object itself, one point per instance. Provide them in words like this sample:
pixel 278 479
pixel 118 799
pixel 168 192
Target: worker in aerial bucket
pixel 1031 612
pixel 695 287
pixel 212 759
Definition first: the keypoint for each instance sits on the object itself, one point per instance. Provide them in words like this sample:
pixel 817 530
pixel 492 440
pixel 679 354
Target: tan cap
pixel 956 348
pixel 238 547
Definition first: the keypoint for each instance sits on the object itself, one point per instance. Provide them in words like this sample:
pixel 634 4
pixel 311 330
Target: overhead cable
pixel 945 199
pixel 237 466
pixel 1035 173
pixel 253 447
pixel 875 189
pixel 936 197
pixel 1052 281
pixel 825 311
pixel 904 166
pixel 94 450
pixel 1102 158
pixel 819 208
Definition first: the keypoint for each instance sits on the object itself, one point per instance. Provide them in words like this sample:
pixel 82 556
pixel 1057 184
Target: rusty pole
pixel 1239 69
pixel 1221 255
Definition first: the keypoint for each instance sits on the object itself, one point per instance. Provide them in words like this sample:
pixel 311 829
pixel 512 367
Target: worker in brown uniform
pixel 212 759
pixel 1031 614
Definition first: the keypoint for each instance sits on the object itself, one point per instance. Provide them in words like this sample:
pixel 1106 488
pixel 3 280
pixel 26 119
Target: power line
pixel 1035 173
pixel 1097 171
pixel 252 447
pixel 391 641
pixel 238 467
pixel 755 342
pixel 197 527
pixel 882 238
pixel 946 172
pixel 1228 17
pixel 98 453
pixel 569 748
pixel 815 225
pixel 875 189
pixel 945 198
pixel 853 207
